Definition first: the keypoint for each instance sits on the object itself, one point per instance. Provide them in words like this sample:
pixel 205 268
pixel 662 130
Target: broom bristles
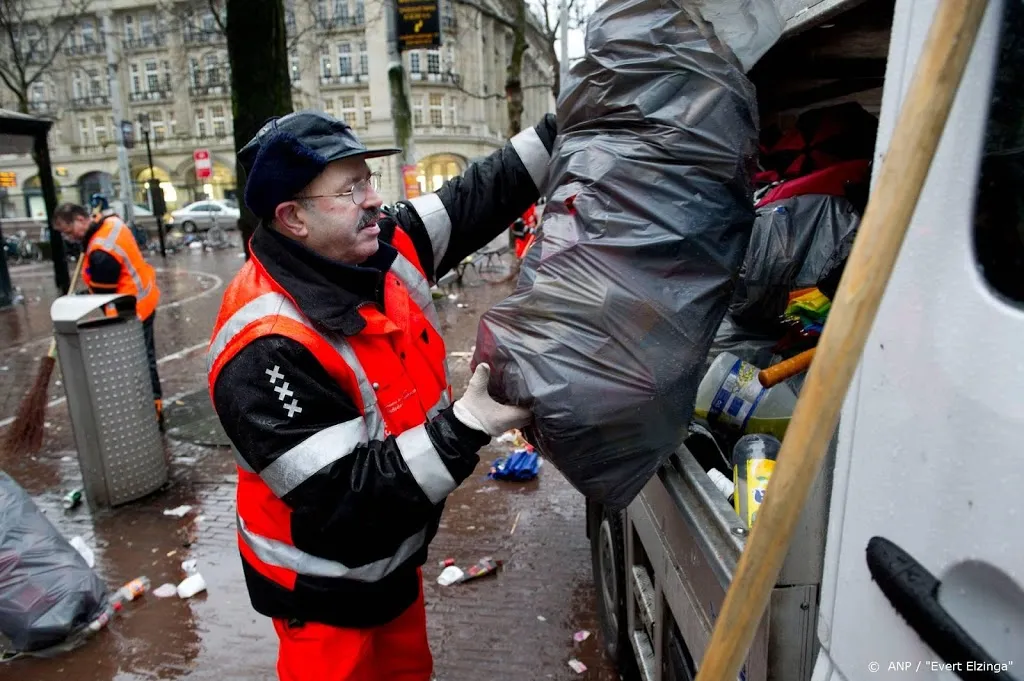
pixel 26 433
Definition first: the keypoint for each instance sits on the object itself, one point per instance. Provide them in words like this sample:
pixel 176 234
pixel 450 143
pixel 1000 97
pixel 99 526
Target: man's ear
pixel 291 219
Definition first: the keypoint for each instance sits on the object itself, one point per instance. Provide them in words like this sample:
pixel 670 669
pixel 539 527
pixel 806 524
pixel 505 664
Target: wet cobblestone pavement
pixel 518 625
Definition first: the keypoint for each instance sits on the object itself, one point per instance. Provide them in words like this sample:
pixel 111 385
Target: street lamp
pixel 156 193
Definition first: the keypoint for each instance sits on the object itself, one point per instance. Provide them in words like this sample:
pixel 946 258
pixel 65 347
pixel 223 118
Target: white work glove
pixel 478 410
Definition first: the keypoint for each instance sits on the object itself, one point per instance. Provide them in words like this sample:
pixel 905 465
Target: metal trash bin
pixel 110 398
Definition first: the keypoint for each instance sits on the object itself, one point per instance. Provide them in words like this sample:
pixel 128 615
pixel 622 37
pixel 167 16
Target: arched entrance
pixel 432 171
pixel 95 182
pixel 164 178
pixel 35 206
pixel 220 184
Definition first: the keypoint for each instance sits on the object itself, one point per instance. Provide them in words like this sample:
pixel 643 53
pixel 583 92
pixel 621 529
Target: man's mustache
pixel 368 218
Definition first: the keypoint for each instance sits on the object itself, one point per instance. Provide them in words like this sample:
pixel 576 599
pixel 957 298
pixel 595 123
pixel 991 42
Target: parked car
pixel 203 215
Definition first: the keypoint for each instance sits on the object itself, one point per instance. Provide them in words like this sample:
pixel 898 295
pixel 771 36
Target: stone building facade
pixel 172 65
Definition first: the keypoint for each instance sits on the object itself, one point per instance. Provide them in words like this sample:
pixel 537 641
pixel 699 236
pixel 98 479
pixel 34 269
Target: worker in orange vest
pixel 329 374
pixel 114 264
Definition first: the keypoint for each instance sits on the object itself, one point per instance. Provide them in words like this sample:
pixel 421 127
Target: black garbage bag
pixel 648 215
pixel 47 591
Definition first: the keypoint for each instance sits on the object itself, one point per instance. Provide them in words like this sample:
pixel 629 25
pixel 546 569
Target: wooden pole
pixel 890 207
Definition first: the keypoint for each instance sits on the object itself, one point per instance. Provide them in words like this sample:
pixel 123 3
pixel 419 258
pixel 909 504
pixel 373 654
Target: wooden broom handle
pixel 898 187
pixel 52 353
pixel 777 373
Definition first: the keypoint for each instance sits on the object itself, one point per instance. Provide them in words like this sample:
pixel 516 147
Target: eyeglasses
pixel 357 192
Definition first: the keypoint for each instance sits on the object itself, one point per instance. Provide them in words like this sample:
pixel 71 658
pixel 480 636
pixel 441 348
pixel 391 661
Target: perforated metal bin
pixel 110 398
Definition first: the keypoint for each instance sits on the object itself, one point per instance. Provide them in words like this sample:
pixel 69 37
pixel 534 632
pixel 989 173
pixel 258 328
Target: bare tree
pixel 514 71
pixel 547 11
pixel 29 46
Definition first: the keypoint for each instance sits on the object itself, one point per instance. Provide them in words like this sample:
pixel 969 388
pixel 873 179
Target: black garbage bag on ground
pixel 648 215
pixel 47 591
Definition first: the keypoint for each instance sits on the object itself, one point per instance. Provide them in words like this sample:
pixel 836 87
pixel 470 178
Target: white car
pixel 203 215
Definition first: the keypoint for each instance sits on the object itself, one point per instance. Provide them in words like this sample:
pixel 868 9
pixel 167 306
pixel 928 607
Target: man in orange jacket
pixel 328 372
pixel 114 264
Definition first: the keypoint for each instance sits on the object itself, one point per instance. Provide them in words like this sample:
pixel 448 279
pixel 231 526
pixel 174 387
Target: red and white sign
pixel 204 165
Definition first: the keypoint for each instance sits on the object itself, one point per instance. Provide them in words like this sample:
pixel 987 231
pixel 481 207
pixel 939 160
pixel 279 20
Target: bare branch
pixel 217 15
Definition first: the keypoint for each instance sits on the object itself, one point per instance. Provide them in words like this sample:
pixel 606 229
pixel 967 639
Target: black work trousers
pixel 147 330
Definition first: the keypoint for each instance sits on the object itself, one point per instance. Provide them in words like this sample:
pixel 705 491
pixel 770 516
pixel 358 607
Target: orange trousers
pixel 396 651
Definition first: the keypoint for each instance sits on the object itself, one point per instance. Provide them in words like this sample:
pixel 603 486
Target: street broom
pixel 26 432
pixel 886 219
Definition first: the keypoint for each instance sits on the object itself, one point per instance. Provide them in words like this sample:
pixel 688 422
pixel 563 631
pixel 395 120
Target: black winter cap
pixel 289 152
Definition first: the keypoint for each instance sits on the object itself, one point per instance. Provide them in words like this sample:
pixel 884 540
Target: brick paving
pixel 487 629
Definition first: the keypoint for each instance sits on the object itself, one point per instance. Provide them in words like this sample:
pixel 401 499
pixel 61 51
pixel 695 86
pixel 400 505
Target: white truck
pixel 928 454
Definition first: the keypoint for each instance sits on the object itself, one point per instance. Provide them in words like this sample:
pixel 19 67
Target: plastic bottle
pixel 753 460
pixel 730 396
pixel 132 590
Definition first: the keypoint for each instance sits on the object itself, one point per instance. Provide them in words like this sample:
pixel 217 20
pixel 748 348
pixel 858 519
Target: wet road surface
pixel 517 625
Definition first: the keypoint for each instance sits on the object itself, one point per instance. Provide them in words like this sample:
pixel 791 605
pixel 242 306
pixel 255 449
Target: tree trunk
pixel 514 72
pixel 556 80
pixel 260 84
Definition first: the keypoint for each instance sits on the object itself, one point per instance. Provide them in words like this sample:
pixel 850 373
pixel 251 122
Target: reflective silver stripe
pixel 257 308
pixel 425 464
pixel 304 460
pixel 240 461
pixel 285 556
pixel 440 406
pixel 419 290
pixel 110 244
pixel 534 156
pixel 371 412
pixel 437 221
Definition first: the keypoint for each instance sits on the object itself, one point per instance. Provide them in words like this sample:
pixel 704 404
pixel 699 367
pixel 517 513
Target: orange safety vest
pixel 138 278
pixel 395 371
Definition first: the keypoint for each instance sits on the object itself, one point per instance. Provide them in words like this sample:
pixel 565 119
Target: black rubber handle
pixel 913 592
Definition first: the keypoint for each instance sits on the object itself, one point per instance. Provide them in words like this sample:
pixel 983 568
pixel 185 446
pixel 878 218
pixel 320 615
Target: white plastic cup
pixel 192 585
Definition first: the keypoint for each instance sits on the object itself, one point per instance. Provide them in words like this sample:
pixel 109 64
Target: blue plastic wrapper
pixel 643 235
pixel 519 466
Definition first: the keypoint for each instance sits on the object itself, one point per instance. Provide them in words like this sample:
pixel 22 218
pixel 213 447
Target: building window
pixel 152 77
pixel 193 72
pixel 95 83
pixel 417 111
pixel 83 132
pixel 437 110
pixel 88 34
pixel 99 127
pixel 209 23
pixel 136 80
pixel 414 61
pixel 329 106
pixel 220 127
pixel 37 93
pixel 172 123
pixel 289 14
pixel 212 66
pixel 341 12
pixel 321 13
pixel 367 112
pixel 364 60
pixel 433 61
pixel 156 123
pixel 453 110
pixel 77 87
pixel 344 59
pixel 201 129
pixel 360 12
pixel 146 28
pixel 348 111
pixel 129 28
pixel 293 64
pixel 325 64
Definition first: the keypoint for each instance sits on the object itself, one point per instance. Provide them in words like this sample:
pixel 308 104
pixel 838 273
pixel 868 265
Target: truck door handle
pixel 913 591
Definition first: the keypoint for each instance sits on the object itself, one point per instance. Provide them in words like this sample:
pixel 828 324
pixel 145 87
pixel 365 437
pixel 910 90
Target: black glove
pixel 547 130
